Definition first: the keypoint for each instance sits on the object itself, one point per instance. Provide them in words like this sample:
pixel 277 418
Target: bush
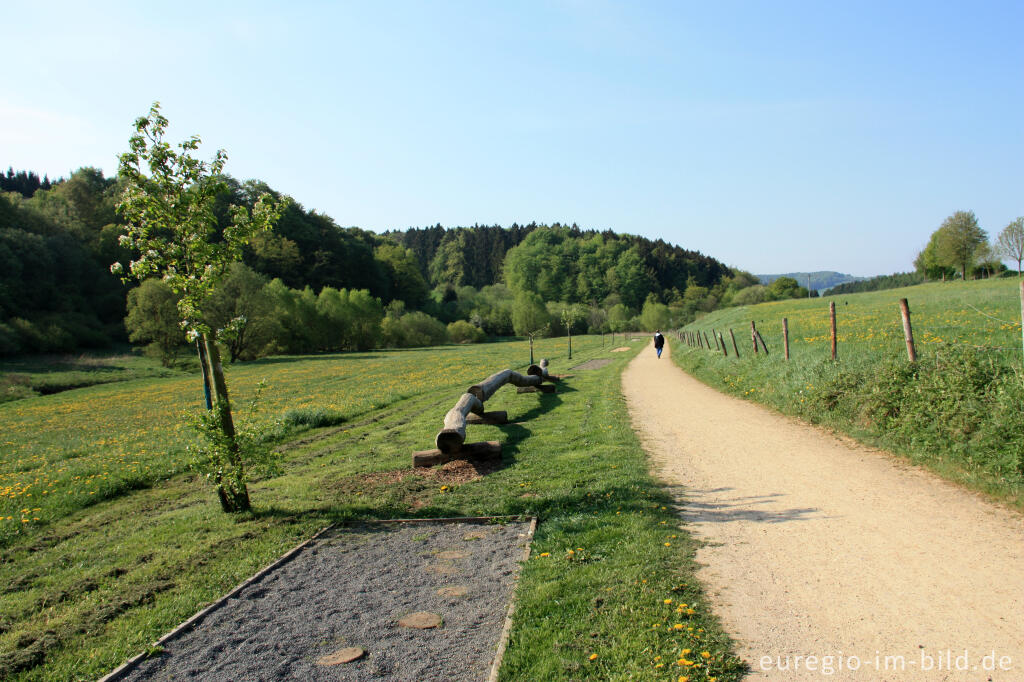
pixel 461 331
pixel 413 330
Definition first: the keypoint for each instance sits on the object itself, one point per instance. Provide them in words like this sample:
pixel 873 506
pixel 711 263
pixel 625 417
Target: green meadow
pixel 956 410
pixel 111 541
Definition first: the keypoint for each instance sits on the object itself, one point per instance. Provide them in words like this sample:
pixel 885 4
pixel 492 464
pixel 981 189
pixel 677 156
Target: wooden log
pixel 496 417
pixel 490 449
pixel 832 324
pixel 453 435
pixel 908 332
pixel 785 336
pixel 486 388
pixel 544 388
pixel 734 346
pixel 541 371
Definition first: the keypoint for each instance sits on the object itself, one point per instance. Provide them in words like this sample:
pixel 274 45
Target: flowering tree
pixel 168 204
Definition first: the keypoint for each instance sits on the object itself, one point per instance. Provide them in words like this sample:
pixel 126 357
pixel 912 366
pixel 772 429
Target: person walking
pixel 659 342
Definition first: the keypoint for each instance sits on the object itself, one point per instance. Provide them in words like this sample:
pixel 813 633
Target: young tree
pixel 168 207
pixel 959 237
pixel 1010 242
pixel 572 314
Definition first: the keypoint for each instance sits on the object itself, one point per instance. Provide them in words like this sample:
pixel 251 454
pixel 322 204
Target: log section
pixel 486 388
pixel 453 435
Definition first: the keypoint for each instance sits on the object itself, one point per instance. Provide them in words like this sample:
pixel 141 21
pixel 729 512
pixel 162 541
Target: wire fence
pixel 875 333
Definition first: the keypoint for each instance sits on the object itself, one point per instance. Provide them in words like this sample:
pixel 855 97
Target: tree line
pixel 310 285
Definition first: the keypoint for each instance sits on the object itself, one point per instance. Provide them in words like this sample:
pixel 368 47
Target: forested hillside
pixel 312 285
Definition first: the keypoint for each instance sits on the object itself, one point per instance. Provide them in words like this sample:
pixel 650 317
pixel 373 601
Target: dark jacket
pixel 659 340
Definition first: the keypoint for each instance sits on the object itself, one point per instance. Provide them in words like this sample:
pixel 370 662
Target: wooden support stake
pixel 706 342
pixel 717 335
pixel 761 341
pixel 490 449
pixel 785 336
pixel 908 332
pixel 832 322
pixel 753 336
pixel 714 335
pixel 734 346
pixel 496 417
pixel 544 388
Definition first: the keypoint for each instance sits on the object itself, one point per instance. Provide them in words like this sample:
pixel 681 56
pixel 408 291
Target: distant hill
pixel 820 281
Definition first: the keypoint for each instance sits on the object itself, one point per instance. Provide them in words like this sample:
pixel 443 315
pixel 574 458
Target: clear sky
pixel 774 136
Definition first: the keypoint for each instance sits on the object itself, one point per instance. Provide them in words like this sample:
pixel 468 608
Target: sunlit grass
pixel 93 587
pixel 955 410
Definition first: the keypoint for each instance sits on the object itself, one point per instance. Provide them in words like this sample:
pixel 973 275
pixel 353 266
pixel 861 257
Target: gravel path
pixel 349 588
pixel 820 547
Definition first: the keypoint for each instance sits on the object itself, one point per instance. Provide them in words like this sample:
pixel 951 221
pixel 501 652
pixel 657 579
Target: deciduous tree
pixel 168 206
pixel 959 238
pixel 1010 242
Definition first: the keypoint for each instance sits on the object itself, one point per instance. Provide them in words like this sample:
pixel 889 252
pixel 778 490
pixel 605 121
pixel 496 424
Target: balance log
pixel 486 388
pixel 453 435
pixel 484 450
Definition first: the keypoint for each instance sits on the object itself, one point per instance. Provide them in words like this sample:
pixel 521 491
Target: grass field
pixel 958 410
pixel 608 594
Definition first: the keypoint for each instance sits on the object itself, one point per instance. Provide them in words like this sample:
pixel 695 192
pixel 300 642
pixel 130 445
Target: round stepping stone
pixel 421 620
pixel 346 655
pixel 452 554
pixel 454 591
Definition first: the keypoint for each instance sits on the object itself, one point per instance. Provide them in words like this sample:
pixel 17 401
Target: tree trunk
pixel 233 494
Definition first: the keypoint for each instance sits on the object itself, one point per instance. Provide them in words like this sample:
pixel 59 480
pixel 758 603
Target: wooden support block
pixel 487 449
pixel 544 388
pixel 496 417
pixel 429 458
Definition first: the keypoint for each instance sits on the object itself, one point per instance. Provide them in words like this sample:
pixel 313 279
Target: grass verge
pixel 956 410
pixel 608 594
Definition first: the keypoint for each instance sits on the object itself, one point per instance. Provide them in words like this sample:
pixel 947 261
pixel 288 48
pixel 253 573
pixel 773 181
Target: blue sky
pixel 774 136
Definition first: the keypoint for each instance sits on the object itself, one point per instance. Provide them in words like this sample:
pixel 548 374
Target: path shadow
pixel 707 506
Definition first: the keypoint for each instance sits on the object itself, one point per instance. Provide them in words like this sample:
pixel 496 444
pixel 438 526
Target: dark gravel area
pixel 349 588
pixel 597 363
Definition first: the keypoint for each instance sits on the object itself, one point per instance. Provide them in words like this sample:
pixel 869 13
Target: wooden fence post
pixel 714 335
pixel 753 336
pixel 706 342
pixel 785 336
pixel 734 346
pixel 717 335
pixel 832 318
pixel 908 332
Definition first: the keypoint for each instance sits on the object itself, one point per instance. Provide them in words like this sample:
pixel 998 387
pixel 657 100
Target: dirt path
pixel 821 547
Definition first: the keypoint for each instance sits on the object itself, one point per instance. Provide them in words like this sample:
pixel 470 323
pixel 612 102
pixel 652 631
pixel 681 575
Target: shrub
pixel 461 331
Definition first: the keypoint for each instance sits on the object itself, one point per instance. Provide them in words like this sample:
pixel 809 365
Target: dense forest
pixel 311 285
